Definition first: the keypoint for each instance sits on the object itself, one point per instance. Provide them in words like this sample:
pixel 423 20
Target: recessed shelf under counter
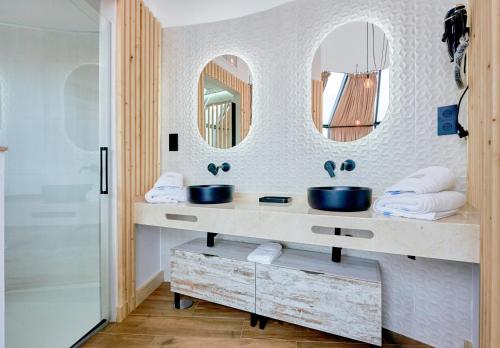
pixel 454 238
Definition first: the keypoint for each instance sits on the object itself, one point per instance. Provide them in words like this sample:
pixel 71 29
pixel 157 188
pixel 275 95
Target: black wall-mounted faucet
pixel 348 165
pixel 212 168
pixel 330 168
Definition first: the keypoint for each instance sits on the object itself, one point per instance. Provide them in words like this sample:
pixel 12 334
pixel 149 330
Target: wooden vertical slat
pixel 219 130
pixel 138 151
pixel 317 104
pixel 137 56
pixel 149 53
pixel 484 155
pixel 157 140
pixel 210 126
pixel 156 102
pixel 492 264
pixel 126 158
pixel 151 164
pixel 122 308
pixel 133 144
pixel 144 185
pixel 226 126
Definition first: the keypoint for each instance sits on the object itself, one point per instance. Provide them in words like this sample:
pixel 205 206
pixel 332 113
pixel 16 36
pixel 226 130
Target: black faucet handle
pixel 348 165
pixel 212 168
pixel 330 168
pixel 225 167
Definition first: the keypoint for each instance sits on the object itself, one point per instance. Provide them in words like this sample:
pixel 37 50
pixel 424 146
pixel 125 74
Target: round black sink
pixel 210 194
pixel 340 198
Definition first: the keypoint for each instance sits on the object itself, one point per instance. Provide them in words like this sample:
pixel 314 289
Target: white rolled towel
pixel 265 253
pixel 427 180
pixel 166 194
pixel 429 206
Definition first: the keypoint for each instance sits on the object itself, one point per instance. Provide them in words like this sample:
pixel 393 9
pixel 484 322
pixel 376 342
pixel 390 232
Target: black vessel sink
pixel 210 194
pixel 340 198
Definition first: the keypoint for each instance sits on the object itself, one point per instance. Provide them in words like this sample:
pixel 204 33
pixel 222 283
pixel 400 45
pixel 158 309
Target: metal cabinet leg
pixel 177 300
pixel 262 322
pixel 337 252
pixel 254 318
pixel 211 239
pixel 181 304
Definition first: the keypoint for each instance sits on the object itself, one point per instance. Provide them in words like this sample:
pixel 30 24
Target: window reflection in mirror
pixel 350 82
pixel 225 101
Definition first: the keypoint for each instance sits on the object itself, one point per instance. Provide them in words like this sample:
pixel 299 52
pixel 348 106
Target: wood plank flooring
pixel 155 323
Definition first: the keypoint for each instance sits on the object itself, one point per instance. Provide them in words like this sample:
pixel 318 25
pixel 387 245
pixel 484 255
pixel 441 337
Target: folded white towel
pixel 429 206
pixel 427 180
pixel 167 189
pixel 166 194
pixel 171 179
pixel 420 216
pixel 265 253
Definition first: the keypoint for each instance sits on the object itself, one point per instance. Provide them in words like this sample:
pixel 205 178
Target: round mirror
pixel 350 82
pixel 225 101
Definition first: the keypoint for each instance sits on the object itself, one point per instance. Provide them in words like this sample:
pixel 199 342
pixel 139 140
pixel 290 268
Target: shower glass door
pixel 54 117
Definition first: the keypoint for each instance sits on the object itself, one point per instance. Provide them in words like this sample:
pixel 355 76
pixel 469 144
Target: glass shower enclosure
pixel 54 117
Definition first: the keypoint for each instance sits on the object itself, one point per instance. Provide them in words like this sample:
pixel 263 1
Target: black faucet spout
pixel 330 168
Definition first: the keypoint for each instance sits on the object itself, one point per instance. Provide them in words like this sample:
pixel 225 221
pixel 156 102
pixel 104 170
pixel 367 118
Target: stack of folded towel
pixel 167 189
pixel 426 194
pixel 265 253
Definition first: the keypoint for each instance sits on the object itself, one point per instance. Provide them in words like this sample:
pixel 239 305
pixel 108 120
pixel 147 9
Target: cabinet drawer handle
pixel 311 272
pixel 209 255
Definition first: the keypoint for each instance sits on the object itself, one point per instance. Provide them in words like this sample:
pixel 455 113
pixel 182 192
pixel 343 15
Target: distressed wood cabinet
pixel 308 289
pixel 300 287
pixel 220 274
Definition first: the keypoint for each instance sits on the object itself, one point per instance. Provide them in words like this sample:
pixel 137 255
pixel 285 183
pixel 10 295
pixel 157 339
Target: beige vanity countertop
pixel 454 238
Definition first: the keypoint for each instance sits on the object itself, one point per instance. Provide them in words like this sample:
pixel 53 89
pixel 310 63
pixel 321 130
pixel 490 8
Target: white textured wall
pixel 427 299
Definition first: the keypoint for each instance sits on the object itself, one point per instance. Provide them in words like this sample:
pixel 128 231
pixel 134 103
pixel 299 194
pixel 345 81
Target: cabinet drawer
pixel 349 307
pixel 225 281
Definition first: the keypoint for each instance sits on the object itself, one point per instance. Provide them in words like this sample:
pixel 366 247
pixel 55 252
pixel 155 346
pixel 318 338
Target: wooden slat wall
pixel 232 82
pixel 138 141
pixel 317 104
pixel 484 155
pixel 218 120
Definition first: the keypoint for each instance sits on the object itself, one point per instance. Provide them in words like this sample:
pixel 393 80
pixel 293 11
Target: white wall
pixel 426 299
pixel 148 253
pixel 174 12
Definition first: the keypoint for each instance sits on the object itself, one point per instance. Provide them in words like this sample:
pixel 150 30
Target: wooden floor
pixel 155 323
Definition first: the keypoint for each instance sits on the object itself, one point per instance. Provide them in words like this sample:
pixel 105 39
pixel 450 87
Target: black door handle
pixel 104 171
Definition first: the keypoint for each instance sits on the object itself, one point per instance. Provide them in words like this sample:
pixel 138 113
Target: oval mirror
pixel 350 82
pixel 225 101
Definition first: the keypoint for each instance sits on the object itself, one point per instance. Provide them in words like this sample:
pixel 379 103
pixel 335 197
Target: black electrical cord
pixel 462 133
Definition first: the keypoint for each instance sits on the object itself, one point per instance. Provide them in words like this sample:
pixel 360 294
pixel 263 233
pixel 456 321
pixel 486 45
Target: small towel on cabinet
pixel 265 253
pixel 427 180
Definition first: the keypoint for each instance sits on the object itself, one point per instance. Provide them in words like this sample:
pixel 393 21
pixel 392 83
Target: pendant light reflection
pixel 368 83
